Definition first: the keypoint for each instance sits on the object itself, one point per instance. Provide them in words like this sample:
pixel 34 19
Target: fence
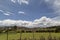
pixel 27 36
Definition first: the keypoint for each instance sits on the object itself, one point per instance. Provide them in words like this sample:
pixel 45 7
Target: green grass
pixel 3 36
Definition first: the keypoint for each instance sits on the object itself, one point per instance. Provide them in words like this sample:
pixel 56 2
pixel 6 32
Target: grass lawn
pixel 3 36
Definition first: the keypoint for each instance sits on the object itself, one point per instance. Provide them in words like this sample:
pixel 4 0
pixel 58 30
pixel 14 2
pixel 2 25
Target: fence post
pixel 20 34
pixel 33 34
pixel 7 33
pixel 49 37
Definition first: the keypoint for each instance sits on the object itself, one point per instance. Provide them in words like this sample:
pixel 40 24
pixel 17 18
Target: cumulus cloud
pixel 21 1
pixel 55 4
pixel 7 13
pixel 42 22
pixel 7 22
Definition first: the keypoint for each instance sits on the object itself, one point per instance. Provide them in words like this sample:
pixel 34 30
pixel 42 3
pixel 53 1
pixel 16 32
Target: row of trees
pixel 18 30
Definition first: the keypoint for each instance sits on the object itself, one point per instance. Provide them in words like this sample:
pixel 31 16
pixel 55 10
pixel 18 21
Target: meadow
pixel 29 36
pixel 22 33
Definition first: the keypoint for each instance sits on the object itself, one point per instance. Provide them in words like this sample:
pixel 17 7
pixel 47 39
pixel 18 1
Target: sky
pixel 31 12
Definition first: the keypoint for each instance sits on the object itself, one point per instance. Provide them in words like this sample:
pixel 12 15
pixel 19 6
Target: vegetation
pixel 22 33
pixel 28 36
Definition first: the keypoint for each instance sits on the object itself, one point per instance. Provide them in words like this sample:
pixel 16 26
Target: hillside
pixel 36 29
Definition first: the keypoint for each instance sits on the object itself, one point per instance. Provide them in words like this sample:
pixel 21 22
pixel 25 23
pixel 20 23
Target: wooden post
pixel 7 33
pixel 20 35
pixel 33 34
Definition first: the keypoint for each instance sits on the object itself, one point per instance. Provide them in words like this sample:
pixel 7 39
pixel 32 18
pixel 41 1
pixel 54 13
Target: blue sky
pixel 33 10
pixel 30 13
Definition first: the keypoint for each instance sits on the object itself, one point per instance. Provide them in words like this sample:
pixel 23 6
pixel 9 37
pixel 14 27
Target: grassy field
pixel 11 36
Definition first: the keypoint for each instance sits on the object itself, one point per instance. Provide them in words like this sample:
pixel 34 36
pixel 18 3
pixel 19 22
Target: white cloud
pixel 42 22
pixel 8 22
pixel 14 1
pixel 55 4
pixel 21 12
pixel 6 13
pixel 1 11
pixel 21 1
pixel 47 0
pixel 57 18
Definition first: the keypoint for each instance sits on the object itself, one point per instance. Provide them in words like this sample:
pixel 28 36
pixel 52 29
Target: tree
pixel 15 28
